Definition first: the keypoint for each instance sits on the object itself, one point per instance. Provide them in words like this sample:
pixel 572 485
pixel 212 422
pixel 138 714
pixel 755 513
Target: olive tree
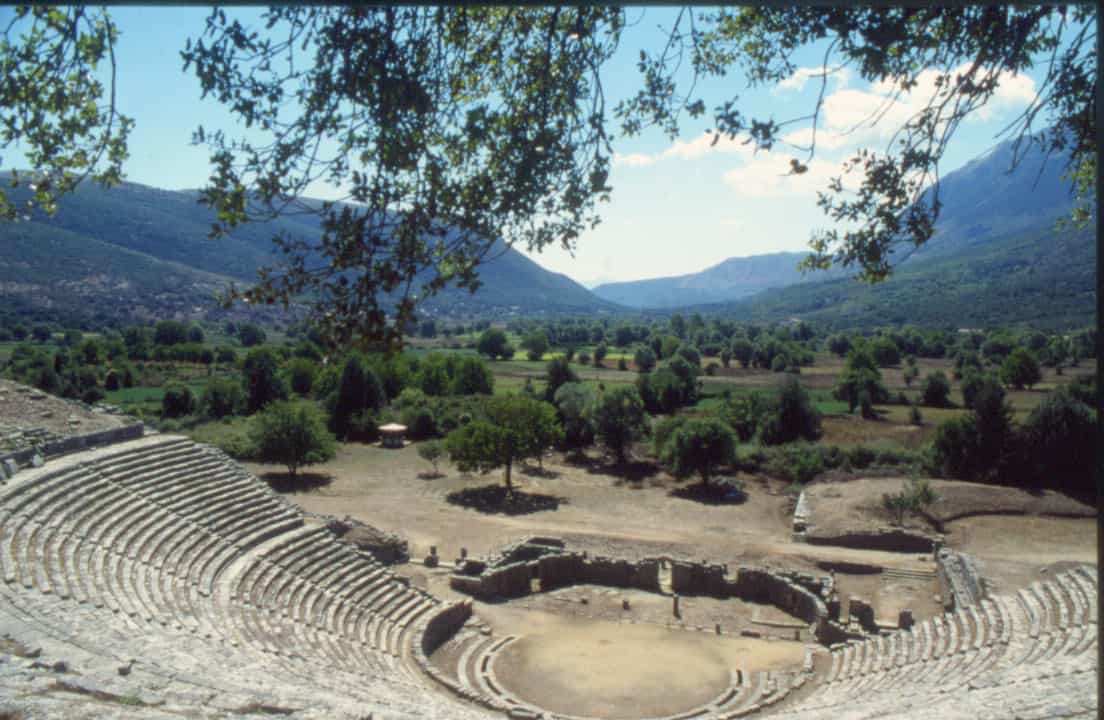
pixel 292 434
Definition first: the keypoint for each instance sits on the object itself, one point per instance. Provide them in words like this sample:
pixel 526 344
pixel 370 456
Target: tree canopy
pixel 448 129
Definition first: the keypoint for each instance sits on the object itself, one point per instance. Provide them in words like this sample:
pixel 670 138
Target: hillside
pixel 138 251
pixel 1042 278
pixel 983 203
pixel 52 274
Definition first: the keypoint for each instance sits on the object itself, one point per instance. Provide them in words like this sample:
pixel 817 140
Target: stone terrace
pixel 157 578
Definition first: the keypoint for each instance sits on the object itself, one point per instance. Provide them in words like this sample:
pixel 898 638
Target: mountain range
pixel 982 202
pixel 134 251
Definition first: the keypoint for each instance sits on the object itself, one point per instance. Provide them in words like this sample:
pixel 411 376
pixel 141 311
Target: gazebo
pixel 392 435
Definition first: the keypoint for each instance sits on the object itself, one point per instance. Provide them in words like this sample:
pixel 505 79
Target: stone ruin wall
pixel 801 596
pixel 11 462
pixel 431 634
pixel 959 580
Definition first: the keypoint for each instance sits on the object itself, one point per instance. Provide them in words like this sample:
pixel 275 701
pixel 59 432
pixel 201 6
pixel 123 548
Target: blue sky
pixel 677 207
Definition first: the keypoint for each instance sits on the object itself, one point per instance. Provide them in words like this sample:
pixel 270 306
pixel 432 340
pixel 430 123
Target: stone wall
pixel 800 595
pixel 444 623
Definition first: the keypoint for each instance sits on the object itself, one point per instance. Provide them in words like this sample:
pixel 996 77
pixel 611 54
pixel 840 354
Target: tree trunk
pixel 509 485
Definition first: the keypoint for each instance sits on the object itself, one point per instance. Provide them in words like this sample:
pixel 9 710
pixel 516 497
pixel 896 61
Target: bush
pixel 744 414
pixel 621 364
pixel 797 462
pixel 420 423
pixel 915 418
pixel 300 374
pixel 359 391
pixel 221 397
pixel 471 376
pixel 792 417
pixel 432 451
pixel 558 372
pixel 1059 443
pixel 645 359
pixel 936 390
pixel 1020 368
pixel 363 427
pixel 619 419
pixel 955 448
pixel 178 401
pixel 860 457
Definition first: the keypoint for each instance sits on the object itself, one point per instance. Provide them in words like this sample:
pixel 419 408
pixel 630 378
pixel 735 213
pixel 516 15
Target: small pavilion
pixel 392 435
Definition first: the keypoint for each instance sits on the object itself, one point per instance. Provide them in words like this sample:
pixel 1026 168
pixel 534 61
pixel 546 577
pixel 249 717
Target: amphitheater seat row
pixel 1047 622
pixel 150 530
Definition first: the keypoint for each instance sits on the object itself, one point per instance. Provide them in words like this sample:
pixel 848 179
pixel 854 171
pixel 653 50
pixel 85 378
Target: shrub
pixel 797 462
pixel 300 374
pixel 955 448
pixel 576 403
pixel 178 401
pixel 915 418
pixel 557 373
pixel 936 390
pixel 432 451
pixel 645 359
pixel 1020 368
pixel 619 419
pixel 792 417
pixel 621 364
pixel 363 427
pixel 260 381
pixel 471 376
pixel 221 398
pixel 419 421
pixel 860 457
pixel 1059 442
pixel 359 391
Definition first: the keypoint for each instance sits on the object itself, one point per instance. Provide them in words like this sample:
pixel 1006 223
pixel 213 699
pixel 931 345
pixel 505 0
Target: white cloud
pixel 633 160
pixel 825 139
pixel 865 115
pixel 686 150
pixel 801 77
pixel 769 176
pixel 704 145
